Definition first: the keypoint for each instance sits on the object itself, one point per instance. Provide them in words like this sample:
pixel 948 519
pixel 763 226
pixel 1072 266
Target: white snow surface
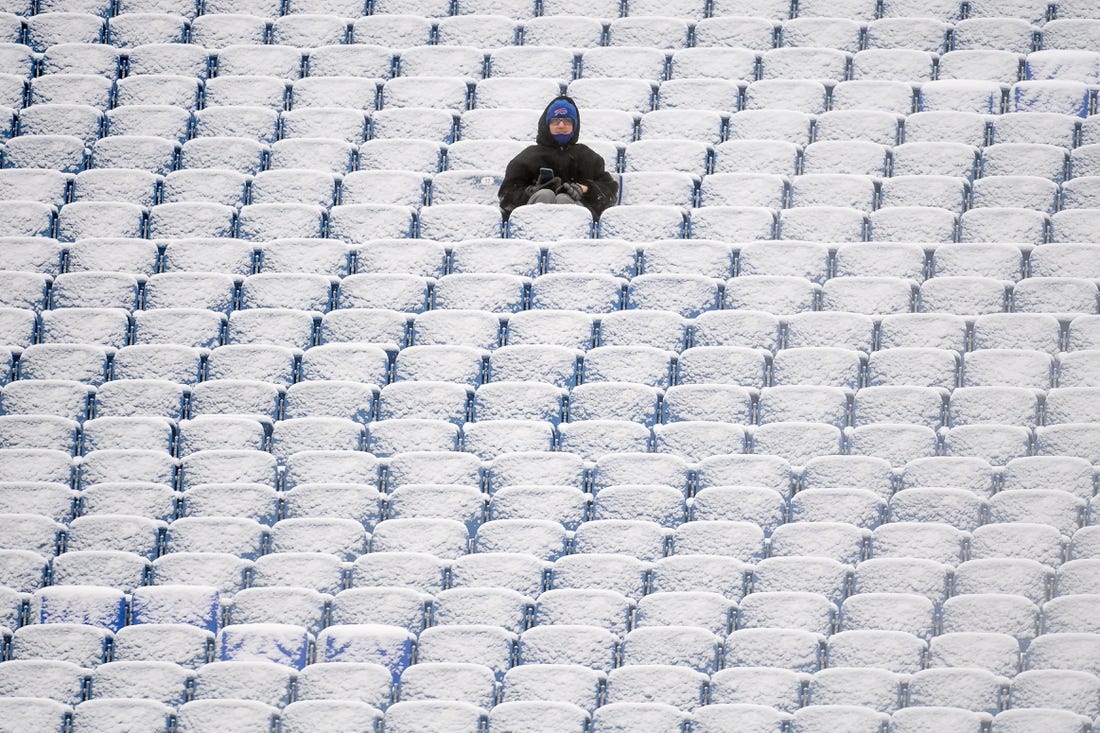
pixel 715 439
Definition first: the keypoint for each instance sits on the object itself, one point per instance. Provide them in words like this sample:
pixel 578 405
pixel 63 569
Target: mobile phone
pixel 545 174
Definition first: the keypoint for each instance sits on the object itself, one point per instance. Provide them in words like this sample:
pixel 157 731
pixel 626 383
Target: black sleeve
pixel 517 177
pixel 603 192
pixel 603 187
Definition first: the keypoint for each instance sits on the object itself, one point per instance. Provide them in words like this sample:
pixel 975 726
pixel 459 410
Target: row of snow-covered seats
pixel 540 696
pixel 737 417
pixel 1035 10
pixel 768 140
pixel 824 205
pixel 798 651
pixel 781 127
pixel 800 90
pixel 687 431
pixel 835 349
pixel 835 144
pixel 411 716
pixel 53 414
pixel 420 40
pixel 314 511
pixel 64 66
pixel 102 475
pixel 57 470
pixel 508 276
pixel 374 624
pixel 36 203
pixel 897 440
pixel 983 512
pixel 861 174
pixel 909 208
pixel 916 585
pixel 522 8
pixel 929 631
pixel 1006 556
pixel 832 208
pixel 839 350
pixel 217 31
pixel 363 223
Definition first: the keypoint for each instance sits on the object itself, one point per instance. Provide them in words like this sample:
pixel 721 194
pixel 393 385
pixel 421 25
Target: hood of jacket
pixel 544 137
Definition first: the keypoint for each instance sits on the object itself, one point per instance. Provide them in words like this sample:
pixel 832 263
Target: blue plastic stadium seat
pixel 42 714
pixel 247 119
pixel 250 716
pixel 131 29
pixel 562 30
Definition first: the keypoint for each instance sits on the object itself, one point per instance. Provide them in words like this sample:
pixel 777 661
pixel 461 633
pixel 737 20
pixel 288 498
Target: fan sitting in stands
pixel 557 169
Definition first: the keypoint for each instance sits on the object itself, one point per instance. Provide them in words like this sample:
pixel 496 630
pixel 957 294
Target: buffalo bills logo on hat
pixel 561 109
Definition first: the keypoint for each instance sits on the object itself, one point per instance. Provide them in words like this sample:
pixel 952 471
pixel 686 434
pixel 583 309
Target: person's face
pixel 561 126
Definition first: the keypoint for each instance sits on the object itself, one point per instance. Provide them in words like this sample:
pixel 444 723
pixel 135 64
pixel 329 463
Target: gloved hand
pixel 530 191
pixel 572 190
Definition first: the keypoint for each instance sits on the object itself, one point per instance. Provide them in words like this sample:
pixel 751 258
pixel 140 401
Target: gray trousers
pixel 546 196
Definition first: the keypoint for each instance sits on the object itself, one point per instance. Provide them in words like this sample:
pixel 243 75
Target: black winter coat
pixel 573 162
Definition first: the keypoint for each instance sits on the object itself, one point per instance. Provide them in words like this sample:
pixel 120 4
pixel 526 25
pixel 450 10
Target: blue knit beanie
pixel 561 108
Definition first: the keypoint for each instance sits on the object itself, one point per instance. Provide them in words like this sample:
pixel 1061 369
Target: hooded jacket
pixel 572 162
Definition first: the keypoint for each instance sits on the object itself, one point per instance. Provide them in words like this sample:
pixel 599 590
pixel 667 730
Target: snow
pixel 620 573
pixel 160 681
pixel 86 89
pixel 679 687
pixel 129 30
pixel 223 571
pixel 908 612
pixel 949 720
pixel 64 153
pixel 12 91
pixel 549 222
pixel 830 223
pixel 112 714
pixel 986 64
pixel 1021 719
pixel 462 503
pixel 827 189
pixel 84 363
pixel 220 432
pixel 1067 689
pixel 159 89
pixel 992 612
pixel 972 482
pixel 242 680
pixel 850 158
pixel 363 682
pixel 641 538
pixel 430 716
pixel 1070 32
pixel 587 646
pixel 1062 97
pixel 153 154
pixel 97 607
pixel 78 643
pixel 492 606
pixel 487 645
pixel 26 713
pixel 120 432
pixel 246 716
pixel 220 186
pixel 246 500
